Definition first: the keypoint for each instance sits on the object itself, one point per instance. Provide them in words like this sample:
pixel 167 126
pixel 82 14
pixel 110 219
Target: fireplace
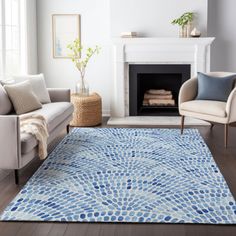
pixel 154 89
pixel 129 54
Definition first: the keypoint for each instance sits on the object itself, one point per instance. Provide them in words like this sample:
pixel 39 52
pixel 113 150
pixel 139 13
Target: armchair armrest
pixel 188 90
pixel 10 146
pixel 59 94
pixel 231 107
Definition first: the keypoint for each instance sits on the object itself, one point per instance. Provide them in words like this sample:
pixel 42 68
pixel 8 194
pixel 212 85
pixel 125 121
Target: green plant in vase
pixel 184 22
pixel 81 64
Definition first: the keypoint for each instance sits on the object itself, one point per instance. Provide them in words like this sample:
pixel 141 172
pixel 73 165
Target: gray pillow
pixel 38 85
pixel 214 88
pixel 5 103
pixel 23 98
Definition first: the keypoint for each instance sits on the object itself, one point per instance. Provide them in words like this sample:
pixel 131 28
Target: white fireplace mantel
pixel 126 51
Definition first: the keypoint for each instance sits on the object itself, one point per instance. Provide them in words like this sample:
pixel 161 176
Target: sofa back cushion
pixel 5 103
pixel 38 85
pixel 22 97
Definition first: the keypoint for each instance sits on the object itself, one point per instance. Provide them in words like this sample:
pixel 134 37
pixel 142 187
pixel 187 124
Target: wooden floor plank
pixel 4 173
pixel 10 229
pixel 93 230
pixel 108 230
pixel 222 230
pixel 79 229
pixel 125 229
pixel 158 229
pixel 43 229
pixel 58 229
pixel 27 229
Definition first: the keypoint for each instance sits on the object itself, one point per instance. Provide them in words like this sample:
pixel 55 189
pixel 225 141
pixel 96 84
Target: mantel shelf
pixel 170 40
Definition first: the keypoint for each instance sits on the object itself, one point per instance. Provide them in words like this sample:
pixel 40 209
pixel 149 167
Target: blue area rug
pixel 127 175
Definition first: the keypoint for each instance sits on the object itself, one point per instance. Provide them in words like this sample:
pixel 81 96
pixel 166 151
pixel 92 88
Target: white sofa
pixel 18 149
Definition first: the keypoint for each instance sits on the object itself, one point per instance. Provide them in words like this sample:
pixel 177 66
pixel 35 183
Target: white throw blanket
pixel 36 126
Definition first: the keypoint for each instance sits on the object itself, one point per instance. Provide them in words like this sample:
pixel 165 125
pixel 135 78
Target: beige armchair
pixel 211 111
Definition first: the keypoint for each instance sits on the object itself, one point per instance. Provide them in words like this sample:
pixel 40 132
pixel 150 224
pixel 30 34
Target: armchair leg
pixel 16 177
pixel 226 135
pixel 182 124
pixel 68 129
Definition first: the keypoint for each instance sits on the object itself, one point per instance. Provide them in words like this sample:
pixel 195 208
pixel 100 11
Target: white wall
pixel 222 26
pixel 31 38
pixel 152 18
pixel 95 30
pixel 102 19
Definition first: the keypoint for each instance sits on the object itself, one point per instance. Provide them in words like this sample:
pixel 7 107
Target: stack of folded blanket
pixel 158 97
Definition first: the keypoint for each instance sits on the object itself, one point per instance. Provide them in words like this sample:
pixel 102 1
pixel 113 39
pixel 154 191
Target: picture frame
pixel 65 29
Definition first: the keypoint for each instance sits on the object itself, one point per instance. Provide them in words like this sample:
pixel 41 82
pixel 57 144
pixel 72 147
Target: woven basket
pixel 87 110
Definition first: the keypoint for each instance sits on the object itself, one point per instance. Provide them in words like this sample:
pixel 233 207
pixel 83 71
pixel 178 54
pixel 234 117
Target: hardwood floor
pixel 225 159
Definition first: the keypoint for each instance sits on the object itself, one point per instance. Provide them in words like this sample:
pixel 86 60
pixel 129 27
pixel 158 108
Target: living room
pixel 117 117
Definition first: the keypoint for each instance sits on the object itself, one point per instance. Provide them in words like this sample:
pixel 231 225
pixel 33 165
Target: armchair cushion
pixel 214 88
pixel 214 108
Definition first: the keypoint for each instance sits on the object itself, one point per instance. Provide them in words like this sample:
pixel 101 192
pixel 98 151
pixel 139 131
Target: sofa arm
pixel 10 146
pixel 188 90
pixel 230 107
pixel 59 95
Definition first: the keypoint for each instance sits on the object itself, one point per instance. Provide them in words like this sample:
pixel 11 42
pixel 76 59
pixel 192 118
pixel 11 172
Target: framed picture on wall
pixel 65 29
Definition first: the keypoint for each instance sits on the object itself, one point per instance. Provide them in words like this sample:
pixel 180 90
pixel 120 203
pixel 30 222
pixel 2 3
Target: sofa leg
pixel 16 177
pixel 226 135
pixel 68 129
pixel 182 124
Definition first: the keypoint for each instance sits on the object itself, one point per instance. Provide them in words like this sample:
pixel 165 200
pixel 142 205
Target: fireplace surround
pixel 194 52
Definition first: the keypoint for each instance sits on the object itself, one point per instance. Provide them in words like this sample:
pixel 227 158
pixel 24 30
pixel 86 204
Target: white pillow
pixel 7 82
pixel 38 85
pixel 22 97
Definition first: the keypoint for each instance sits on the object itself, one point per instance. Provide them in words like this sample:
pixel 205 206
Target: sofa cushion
pixel 22 97
pixel 38 85
pixel 214 108
pixel 5 103
pixel 54 113
pixel 214 88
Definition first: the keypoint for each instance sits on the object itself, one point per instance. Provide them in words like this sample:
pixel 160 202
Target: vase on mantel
pixel 185 30
pixel 189 29
pixel 82 88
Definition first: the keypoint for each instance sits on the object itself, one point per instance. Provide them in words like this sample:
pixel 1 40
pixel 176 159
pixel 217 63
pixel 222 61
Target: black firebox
pixel 148 84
